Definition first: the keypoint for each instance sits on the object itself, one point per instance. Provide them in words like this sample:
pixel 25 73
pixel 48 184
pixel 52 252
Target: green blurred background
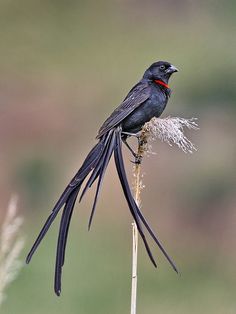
pixel 64 66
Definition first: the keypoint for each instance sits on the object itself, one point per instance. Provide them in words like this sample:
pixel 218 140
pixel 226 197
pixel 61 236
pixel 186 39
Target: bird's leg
pixel 130 148
pixel 137 135
pixel 138 158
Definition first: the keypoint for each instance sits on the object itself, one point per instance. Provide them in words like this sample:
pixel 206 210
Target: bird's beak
pixel 172 69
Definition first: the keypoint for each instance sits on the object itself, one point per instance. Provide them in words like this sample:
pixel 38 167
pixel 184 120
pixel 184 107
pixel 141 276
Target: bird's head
pixel 160 70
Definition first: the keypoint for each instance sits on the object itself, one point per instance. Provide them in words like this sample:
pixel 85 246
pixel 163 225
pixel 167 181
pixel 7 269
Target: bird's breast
pixel 153 107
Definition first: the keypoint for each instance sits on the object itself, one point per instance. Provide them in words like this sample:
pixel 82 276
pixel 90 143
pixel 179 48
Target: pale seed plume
pixel 171 131
pixel 11 245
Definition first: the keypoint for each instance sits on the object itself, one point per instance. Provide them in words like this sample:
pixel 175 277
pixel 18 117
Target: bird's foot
pixel 137 157
pixel 137 160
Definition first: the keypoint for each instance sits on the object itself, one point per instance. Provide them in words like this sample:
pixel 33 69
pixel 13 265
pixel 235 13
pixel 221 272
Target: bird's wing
pixel 137 95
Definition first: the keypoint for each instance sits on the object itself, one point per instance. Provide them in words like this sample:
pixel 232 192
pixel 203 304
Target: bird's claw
pixel 137 160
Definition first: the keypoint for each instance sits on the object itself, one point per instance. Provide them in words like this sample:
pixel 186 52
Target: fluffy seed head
pixel 171 131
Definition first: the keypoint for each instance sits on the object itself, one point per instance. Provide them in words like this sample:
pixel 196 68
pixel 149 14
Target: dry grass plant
pixel 11 245
pixel 171 131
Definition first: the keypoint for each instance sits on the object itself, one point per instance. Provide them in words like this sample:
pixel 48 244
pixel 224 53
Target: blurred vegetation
pixel 64 65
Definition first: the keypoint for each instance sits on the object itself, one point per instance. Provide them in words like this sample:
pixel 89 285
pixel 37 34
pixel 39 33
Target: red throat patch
pixel 161 83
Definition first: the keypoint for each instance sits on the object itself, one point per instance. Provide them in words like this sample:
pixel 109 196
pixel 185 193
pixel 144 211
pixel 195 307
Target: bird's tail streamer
pixel 95 164
pixel 134 209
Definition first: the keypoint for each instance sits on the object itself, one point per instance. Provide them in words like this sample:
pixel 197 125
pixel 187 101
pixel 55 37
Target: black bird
pixel 147 99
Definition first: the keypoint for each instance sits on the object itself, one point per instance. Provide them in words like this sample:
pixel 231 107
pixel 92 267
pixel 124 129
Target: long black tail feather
pixel 95 163
pixel 62 238
pixel 125 185
pixel 97 168
pixel 102 173
pixel 152 234
pixel 131 202
pixel 76 182
pixel 48 223
pixel 67 224
pixel 101 165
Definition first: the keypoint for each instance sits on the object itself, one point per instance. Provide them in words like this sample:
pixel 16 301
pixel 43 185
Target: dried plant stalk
pixel 137 192
pixel 171 131
pixel 10 247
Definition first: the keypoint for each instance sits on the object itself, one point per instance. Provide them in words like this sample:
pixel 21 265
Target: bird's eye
pixel 162 67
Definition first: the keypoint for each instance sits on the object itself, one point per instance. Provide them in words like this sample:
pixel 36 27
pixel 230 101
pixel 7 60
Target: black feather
pixel 131 201
pixel 125 185
pixel 107 157
pixel 76 182
pixel 62 239
pixel 48 222
pixel 136 96
pixel 96 170
pixel 151 232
